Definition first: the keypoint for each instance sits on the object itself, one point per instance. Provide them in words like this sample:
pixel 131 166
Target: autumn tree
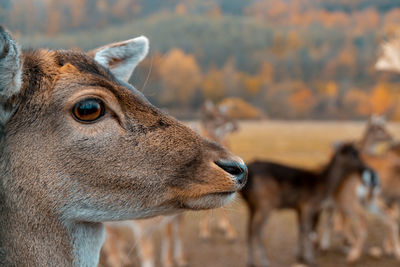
pixel 380 99
pixel 181 77
pixel 302 100
pixel 213 85
pixel 356 102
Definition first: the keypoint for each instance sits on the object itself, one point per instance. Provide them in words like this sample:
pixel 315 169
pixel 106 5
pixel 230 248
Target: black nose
pixel 237 169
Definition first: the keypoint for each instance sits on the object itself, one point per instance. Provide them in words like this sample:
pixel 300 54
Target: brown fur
pixel 347 202
pixel 123 238
pixel 216 125
pixel 275 186
pixel 61 178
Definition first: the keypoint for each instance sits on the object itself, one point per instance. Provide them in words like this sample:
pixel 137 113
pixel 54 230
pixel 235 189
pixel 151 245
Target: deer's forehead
pixel 69 71
pixel 42 64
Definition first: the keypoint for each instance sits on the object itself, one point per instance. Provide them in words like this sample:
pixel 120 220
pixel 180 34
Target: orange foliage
pixel 180 9
pixel 213 85
pixel 331 89
pixel 251 83
pixel 359 101
pixel 180 76
pixel 302 100
pixel 267 73
pixel 380 99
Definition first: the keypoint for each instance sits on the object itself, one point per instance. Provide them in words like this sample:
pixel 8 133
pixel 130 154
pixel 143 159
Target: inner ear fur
pixel 122 57
pixel 10 73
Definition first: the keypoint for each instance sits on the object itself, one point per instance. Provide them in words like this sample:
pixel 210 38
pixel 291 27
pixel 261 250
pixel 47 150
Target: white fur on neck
pixel 86 239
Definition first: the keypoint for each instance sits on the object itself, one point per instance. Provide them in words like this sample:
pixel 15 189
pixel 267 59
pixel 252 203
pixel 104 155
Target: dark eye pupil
pixel 88 107
pixel 88 110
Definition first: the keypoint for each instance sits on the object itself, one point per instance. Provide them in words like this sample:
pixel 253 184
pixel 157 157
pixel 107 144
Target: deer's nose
pixel 237 169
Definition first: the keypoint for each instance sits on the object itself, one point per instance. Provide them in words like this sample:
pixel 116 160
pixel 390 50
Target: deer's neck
pixel 29 243
pixel 332 177
pixel 31 236
pixel 87 239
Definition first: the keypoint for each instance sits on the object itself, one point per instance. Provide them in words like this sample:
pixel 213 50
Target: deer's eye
pixel 88 110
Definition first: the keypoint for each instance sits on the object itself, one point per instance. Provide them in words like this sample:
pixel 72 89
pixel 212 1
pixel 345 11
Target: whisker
pixel 148 74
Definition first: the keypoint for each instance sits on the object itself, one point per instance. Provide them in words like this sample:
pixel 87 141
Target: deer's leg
pixel 325 241
pixel 146 251
pixel 393 216
pixel 110 250
pixel 256 250
pixel 358 220
pixel 387 245
pixel 205 226
pixel 167 248
pixel 226 225
pixel 389 215
pixel 305 222
pixel 178 232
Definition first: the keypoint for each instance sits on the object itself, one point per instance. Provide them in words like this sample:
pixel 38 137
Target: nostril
pixel 234 168
pixel 230 167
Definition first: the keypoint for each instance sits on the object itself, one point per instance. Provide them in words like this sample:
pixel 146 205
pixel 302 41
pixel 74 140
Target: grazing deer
pixel 274 186
pixel 79 146
pixel 216 124
pixel 351 197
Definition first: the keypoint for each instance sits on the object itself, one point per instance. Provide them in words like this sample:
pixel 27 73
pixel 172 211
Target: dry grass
pixel 307 143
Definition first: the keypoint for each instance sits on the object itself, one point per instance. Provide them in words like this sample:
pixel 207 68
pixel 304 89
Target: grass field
pixel 307 144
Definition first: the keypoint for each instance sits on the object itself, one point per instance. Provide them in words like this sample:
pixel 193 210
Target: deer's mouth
pixel 226 193
pixel 210 200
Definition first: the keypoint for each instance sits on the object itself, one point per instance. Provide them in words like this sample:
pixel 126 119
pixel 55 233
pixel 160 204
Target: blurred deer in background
pixel 389 59
pixel 123 238
pixel 351 198
pixel 352 211
pixel 216 125
pixel 274 186
pixel 389 165
pixel 79 147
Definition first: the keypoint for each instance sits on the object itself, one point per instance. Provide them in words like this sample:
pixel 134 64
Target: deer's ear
pixel 208 106
pixel 122 57
pixel 10 72
pixel 336 145
pixel 389 59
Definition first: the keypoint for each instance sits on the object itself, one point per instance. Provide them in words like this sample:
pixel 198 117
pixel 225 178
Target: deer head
pixel 374 133
pixel 80 146
pixel 346 161
pixel 216 122
pixel 389 60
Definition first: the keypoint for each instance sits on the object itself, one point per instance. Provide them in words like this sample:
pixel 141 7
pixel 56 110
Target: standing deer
pixel 79 146
pixel 118 249
pixel 216 124
pixel 274 186
pixel 346 199
pixel 117 252
pixel 351 197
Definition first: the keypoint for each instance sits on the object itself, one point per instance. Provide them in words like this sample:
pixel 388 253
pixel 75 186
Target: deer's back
pixel 290 185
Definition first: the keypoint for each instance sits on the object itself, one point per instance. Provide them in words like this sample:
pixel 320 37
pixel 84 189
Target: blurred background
pixel 276 60
pixel 284 59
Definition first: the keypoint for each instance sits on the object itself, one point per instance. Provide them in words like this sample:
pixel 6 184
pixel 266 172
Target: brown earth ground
pixel 305 144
